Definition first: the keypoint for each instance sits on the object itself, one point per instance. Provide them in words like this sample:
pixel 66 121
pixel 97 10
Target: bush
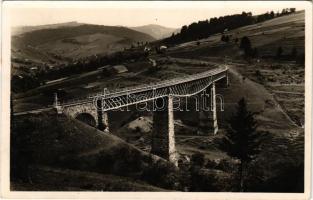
pixel 258 73
pixel 211 164
pixel 279 52
pixel 126 161
pixel 227 166
pixel 202 181
pixel 197 159
pixel 162 174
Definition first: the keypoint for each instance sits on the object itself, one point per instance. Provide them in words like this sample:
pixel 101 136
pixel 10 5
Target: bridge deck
pixel 184 86
pixel 157 85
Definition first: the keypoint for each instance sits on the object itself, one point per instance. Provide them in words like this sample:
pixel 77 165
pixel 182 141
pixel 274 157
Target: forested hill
pixel 206 28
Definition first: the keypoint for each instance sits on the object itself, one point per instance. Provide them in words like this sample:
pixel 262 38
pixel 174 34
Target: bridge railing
pixel 167 83
pixel 151 86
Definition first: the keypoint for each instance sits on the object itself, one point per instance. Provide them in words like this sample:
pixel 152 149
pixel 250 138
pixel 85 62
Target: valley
pixel 271 81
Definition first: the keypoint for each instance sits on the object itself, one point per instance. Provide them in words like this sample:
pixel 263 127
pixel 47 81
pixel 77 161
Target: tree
pixel 279 52
pixel 198 159
pixel 223 38
pixel 241 140
pixel 294 52
pixel 245 44
pixel 226 38
pixel 255 52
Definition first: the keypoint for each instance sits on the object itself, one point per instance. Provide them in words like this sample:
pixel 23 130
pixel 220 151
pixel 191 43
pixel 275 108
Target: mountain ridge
pixel 155 30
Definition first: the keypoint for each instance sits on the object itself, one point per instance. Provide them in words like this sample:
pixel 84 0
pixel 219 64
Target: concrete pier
pixel 163 135
pixel 208 117
pixel 103 118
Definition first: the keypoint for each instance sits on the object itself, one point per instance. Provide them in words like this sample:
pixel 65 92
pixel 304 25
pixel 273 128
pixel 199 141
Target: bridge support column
pixel 207 115
pixel 212 114
pixel 105 121
pixel 163 135
pixel 103 118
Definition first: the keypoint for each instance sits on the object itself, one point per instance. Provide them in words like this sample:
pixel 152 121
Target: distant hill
pixel 156 31
pixel 62 43
pixel 24 29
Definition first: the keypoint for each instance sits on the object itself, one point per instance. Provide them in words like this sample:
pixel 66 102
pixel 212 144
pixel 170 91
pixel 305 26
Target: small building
pixel 116 69
pixel 163 48
pixel 34 68
pixel 147 49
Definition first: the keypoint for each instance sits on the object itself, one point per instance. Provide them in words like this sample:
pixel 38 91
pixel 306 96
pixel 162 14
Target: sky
pixel 131 13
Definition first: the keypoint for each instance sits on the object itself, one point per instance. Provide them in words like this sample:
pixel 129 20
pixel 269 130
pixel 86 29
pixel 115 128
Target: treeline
pixel 206 28
pixel 271 15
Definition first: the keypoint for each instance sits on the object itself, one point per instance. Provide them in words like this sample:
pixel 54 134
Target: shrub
pixel 211 164
pixel 245 44
pixel 202 180
pixel 197 159
pixel 126 161
pixel 226 165
pixel 279 52
pixel 294 52
pixel 161 174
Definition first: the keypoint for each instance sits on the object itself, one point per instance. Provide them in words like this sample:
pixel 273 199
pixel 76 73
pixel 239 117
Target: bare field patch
pixel 286 83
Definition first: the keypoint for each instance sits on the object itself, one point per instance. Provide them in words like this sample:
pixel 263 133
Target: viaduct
pixel 162 94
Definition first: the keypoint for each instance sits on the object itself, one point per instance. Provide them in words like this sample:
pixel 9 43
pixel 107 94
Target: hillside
pixel 156 31
pixel 102 159
pixel 63 44
pixel 286 31
pixel 24 29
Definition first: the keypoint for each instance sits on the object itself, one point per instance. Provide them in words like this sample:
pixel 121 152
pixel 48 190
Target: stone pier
pixel 103 119
pixel 163 135
pixel 208 117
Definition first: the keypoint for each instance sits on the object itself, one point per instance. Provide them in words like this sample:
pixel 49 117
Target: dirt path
pixel 260 88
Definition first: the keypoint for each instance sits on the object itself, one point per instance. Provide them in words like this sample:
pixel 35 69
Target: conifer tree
pixel 241 140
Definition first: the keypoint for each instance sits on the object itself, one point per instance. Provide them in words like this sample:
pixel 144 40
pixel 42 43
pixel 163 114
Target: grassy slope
pixel 75 180
pixel 286 31
pixel 72 144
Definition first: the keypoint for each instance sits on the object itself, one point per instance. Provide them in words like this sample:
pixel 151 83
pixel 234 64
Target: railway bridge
pixel 161 94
